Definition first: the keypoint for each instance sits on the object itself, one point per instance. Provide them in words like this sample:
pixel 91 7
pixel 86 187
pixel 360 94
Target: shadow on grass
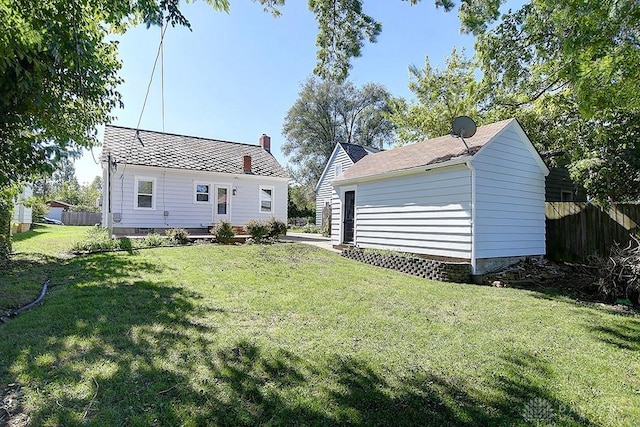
pixel 21 279
pixel 36 230
pixel 109 349
pixel 625 334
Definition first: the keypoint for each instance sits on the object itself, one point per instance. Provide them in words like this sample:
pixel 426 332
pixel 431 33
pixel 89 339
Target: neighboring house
pixel 157 181
pixel 559 187
pixel 485 205
pixel 56 208
pixel 344 155
pixel 22 215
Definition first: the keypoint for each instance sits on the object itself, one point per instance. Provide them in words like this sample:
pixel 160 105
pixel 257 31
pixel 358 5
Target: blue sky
pixel 236 75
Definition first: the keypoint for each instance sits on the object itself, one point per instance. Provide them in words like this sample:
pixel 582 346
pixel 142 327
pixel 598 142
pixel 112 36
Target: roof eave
pixel 216 173
pixel 326 166
pixel 402 172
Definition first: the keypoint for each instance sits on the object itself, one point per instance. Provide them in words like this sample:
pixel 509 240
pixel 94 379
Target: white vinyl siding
pixel 426 213
pixel 21 213
pixel 510 210
pixel 325 189
pixel 174 193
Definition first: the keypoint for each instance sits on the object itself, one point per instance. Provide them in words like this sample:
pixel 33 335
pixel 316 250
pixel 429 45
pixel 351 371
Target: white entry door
pixel 221 206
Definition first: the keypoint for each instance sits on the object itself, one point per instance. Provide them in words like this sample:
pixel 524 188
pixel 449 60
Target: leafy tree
pixel 301 202
pixel 89 195
pixel 344 28
pixel 591 47
pixel 441 96
pixel 82 197
pixel 328 112
pixel 569 73
pixel 47 186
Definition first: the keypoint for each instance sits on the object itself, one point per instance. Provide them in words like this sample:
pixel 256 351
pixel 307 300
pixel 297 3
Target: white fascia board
pixel 403 172
pixel 332 157
pixel 527 144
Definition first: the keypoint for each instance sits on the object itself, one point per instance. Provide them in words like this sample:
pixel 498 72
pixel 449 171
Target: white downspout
pixel 473 217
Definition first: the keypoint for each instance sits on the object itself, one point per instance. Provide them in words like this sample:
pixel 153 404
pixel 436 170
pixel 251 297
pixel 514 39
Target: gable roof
pixel 357 152
pixel 168 150
pixel 424 153
pixel 353 151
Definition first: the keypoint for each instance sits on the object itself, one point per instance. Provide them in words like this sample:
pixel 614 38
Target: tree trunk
pixel 6 213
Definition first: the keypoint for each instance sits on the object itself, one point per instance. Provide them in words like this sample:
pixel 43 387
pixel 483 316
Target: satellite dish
pixel 463 127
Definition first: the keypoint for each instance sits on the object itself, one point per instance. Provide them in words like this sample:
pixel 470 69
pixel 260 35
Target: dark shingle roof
pixel 357 152
pixel 423 153
pixel 186 152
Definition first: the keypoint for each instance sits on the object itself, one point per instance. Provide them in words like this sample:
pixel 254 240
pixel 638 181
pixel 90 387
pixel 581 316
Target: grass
pixel 36 253
pixel 291 334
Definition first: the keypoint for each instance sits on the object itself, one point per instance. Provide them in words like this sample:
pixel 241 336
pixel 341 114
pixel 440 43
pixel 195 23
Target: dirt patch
pixel 11 408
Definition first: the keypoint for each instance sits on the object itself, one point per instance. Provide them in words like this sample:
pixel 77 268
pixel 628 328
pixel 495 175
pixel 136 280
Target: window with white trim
pixel 338 169
pixel 203 192
pixel 266 199
pixel 145 193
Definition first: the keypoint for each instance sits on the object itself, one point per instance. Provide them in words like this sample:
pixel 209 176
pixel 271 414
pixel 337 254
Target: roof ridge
pixel 183 135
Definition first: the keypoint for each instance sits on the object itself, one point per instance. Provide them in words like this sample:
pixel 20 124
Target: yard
pixel 291 334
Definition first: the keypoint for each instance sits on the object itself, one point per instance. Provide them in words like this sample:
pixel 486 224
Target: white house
pixel 485 205
pixel 22 215
pixel 344 156
pixel 156 181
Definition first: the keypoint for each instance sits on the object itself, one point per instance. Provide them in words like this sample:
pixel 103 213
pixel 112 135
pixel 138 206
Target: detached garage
pixel 484 205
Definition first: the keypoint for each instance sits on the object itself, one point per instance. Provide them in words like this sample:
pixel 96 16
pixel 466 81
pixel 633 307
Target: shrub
pixel 257 229
pixel 38 207
pixel 276 227
pixel 96 239
pixel 153 240
pixel 223 232
pixel 126 244
pixel 177 236
pixel 311 229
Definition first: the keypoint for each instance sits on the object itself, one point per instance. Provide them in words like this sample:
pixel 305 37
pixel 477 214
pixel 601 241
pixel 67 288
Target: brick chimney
pixel 246 164
pixel 265 142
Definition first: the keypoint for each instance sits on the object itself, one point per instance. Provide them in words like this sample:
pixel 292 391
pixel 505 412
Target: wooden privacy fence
pixel 81 218
pixel 576 231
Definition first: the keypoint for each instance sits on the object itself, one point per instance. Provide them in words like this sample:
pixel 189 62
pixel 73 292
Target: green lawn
pixel 36 254
pixel 290 334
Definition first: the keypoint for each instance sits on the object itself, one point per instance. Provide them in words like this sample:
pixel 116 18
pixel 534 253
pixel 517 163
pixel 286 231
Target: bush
pixel 311 229
pixel 153 240
pixel 177 236
pixel 38 207
pixel 126 244
pixel 257 229
pixel 276 227
pixel 97 239
pixel 223 232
